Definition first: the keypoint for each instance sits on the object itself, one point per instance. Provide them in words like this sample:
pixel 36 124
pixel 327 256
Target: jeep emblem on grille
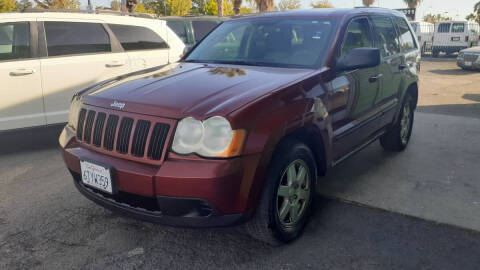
pixel 118 105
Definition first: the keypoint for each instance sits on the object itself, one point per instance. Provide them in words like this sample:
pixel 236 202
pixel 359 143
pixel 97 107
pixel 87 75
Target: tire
pixel 435 53
pixel 275 221
pixel 398 135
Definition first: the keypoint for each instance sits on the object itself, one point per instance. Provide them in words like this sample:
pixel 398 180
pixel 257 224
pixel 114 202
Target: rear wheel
pixel 398 135
pixel 287 197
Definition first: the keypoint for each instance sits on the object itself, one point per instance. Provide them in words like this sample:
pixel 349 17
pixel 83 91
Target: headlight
pixel 213 137
pixel 75 108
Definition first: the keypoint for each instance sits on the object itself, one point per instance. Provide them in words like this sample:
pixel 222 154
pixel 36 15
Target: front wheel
pixel 398 135
pixel 287 197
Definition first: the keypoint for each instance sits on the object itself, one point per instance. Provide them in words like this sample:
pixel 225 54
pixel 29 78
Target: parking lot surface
pixel 430 191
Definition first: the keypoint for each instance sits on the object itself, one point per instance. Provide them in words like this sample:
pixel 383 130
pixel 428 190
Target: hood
pixel 190 89
pixel 472 49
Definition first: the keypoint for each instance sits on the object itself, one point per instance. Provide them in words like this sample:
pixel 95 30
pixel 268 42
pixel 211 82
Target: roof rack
pixel 97 11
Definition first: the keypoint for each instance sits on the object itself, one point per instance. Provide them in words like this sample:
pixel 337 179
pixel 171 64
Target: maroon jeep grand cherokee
pixel 242 128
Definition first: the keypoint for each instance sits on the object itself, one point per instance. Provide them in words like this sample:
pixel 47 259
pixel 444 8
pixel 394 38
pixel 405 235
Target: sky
pixel 457 9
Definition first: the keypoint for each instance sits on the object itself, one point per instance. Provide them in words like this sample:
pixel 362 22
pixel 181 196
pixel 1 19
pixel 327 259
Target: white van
pixel 424 32
pixel 45 57
pixel 453 36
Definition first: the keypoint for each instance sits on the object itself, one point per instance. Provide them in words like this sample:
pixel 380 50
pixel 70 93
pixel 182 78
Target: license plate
pixel 468 63
pixel 96 176
pixel 455 38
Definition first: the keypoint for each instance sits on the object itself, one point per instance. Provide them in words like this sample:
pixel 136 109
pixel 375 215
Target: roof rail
pixel 97 11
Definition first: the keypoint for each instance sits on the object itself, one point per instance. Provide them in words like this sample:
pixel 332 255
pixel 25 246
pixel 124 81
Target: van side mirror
pixel 359 58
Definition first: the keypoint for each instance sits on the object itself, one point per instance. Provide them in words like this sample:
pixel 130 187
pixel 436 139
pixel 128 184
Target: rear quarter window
pixel 14 40
pixel 134 38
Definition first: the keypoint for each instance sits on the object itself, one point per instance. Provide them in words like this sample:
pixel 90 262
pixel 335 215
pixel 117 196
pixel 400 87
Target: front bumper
pixel 475 64
pixel 179 192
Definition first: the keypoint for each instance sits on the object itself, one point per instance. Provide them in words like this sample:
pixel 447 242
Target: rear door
pixel 79 54
pixel 144 47
pixel 21 101
pixel 391 64
pixel 442 36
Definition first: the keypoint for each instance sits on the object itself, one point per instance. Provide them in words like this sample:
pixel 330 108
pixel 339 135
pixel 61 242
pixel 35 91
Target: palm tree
pixel 220 8
pixel 412 3
pixel 368 3
pixel 236 6
pixel 477 7
pixel 264 5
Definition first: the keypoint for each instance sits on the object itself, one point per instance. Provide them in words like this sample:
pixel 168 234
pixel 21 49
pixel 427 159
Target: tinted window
pixel 386 36
pixel 406 37
pixel 458 28
pixel 179 28
pixel 202 28
pixel 14 41
pixel 267 42
pixel 137 37
pixel 64 38
pixel 358 36
pixel 444 28
pixel 415 27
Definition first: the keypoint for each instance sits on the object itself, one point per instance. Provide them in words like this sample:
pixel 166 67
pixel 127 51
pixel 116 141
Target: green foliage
pixel 289 5
pixel 321 4
pixel 198 6
pixel 245 10
pixel 432 18
pixel 179 7
pixel 475 16
pixel 58 4
pixel 140 8
pixel 7 5
pixel 23 4
pixel 158 7
pixel 211 8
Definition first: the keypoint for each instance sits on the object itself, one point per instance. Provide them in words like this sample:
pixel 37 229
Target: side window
pixel 444 28
pixel 458 28
pixel 407 41
pixel 358 36
pixel 386 36
pixel 67 38
pixel 202 28
pixel 14 40
pixel 179 28
pixel 134 38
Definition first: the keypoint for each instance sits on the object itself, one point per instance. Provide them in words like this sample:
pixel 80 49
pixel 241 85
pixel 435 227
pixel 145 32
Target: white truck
pixel 424 32
pixel 453 36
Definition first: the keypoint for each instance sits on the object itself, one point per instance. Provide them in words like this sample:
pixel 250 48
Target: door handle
pixel 402 66
pixel 375 78
pixel 22 72
pixel 115 64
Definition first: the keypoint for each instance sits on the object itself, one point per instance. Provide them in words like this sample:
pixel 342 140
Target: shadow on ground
pixel 29 140
pixel 465 110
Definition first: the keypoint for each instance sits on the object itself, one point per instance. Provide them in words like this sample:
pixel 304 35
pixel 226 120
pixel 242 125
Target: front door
pixel 365 85
pixel 21 102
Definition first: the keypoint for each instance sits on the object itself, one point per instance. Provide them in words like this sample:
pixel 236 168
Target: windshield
pixel 301 43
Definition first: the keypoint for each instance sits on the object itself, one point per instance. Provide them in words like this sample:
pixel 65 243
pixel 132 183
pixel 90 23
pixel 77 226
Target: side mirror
pixel 359 58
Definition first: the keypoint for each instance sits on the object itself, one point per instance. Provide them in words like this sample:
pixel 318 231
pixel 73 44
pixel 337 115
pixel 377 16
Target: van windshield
pixel 301 43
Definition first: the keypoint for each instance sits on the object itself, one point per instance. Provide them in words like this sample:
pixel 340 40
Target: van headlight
pixel 75 107
pixel 212 137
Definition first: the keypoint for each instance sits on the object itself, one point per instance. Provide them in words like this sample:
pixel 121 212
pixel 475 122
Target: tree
pixel 321 4
pixel 159 7
pixel 116 5
pixel 198 7
pixel 264 5
pixel 23 5
pixel 432 18
pixel 475 16
pixel 7 5
pixel 412 3
pixel 368 3
pixel 179 7
pixel 140 8
pixel 289 4
pixel 58 4
pixel 211 7
pixel 220 8
pixel 245 10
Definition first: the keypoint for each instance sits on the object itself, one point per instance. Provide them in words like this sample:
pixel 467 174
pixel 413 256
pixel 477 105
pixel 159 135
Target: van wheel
pixel 398 135
pixel 287 197
pixel 435 53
